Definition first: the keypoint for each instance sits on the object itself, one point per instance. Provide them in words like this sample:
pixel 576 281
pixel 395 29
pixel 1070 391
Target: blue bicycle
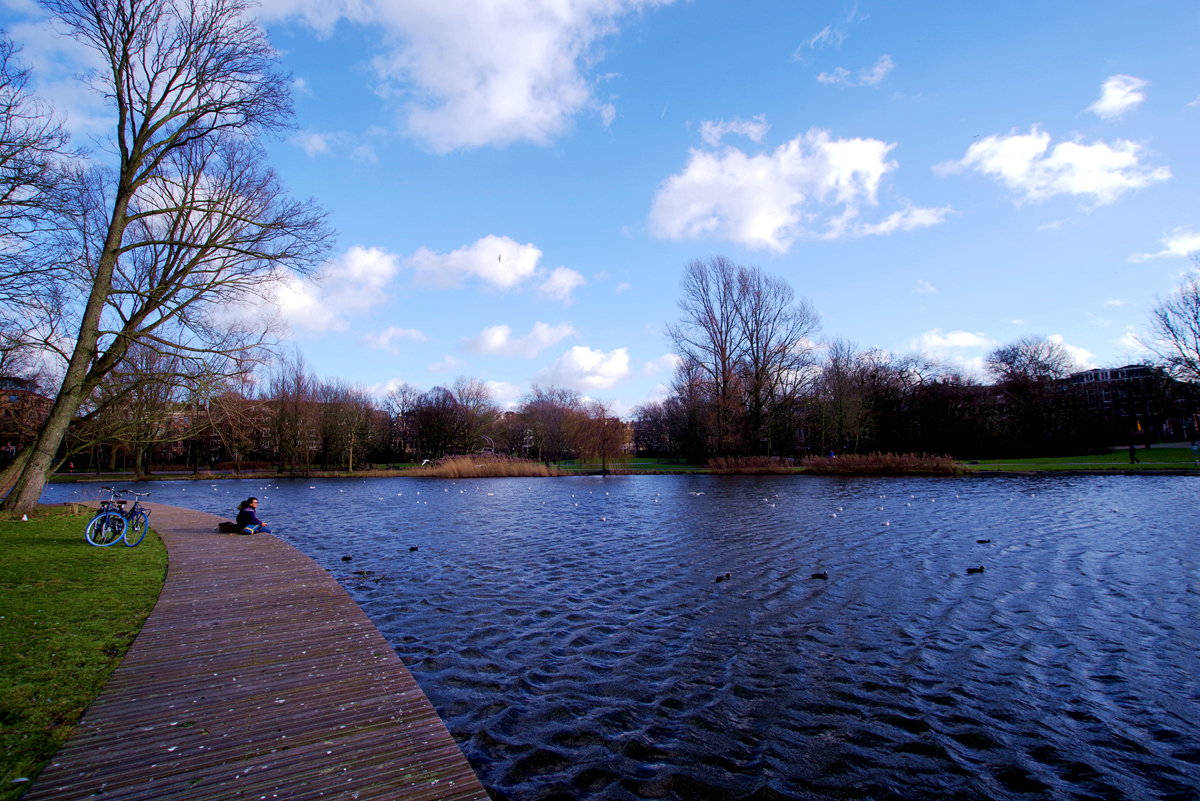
pixel 113 523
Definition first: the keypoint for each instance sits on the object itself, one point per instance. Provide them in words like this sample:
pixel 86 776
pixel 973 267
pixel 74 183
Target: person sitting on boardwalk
pixel 247 520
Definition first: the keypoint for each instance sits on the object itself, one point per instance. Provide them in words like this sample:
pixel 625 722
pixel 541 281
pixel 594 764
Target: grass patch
pixel 884 464
pixel 70 612
pixel 1148 459
pixel 484 466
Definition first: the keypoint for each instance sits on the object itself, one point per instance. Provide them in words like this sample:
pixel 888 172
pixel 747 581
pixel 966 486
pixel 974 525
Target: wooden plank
pixel 256 676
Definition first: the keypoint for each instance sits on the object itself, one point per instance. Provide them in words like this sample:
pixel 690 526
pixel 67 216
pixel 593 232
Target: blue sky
pixel 517 185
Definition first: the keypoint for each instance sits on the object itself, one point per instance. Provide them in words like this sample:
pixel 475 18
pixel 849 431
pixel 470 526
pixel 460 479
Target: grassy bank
pixel 69 613
pixel 1148 460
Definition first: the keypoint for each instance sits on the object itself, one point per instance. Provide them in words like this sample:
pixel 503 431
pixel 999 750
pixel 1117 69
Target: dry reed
pixel 884 464
pixel 484 466
pixel 749 465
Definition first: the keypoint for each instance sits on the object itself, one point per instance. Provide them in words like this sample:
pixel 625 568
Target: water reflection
pixel 573 636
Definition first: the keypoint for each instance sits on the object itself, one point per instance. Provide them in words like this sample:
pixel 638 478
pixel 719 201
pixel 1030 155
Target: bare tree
pixel 477 411
pixel 296 423
pixel 597 433
pixel 189 219
pixel 1030 359
pixel 709 336
pixel 349 416
pixel 1175 328
pixel 400 404
pixel 548 413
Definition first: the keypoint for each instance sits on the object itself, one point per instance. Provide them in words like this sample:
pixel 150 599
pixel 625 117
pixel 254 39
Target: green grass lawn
pixel 1152 459
pixel 68 613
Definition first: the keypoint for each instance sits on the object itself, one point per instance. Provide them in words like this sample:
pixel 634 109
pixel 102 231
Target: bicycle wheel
pixel 136 530
pixel 105 529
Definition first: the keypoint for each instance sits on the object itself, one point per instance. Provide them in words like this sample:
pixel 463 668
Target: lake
pixel 573 634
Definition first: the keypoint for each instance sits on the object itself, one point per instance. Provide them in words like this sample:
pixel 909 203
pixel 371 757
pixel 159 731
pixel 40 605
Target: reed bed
pixel 749 465
pixel 884 464
pixel 480 466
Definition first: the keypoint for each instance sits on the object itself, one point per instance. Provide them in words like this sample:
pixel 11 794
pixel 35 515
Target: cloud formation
pixel 585 369
pixel 1183 241
pixel 561 284
pixel 755 129
pixel 497 260
pixel 937 342
pixel 480 72
pixel 1021 162
pixel 498 339
pixel 1118 94
pixel 389 339
pixel 813 185
pixel 349 284
pixel 867 76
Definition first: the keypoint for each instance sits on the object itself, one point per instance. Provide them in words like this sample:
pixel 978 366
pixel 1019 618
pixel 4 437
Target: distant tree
pixel 598 434
pixel 295 416
pixel 349 421
pixel 400 403
pixel 438 423
pixel 1175 328
pixel 477 412
pixel 1036 414
pixel 548 414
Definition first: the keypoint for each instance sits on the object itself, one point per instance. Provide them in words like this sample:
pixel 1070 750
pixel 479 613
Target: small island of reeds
pixel 484 466
pixel 884 464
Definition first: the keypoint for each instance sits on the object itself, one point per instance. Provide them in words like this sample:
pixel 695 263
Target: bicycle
pixel 138 519
pixel 109 524
pixel 114 523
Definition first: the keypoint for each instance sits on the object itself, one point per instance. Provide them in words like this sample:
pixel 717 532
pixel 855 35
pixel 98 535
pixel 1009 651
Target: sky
pixel 518 184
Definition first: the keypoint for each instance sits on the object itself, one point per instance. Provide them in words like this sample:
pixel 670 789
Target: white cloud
pixel 1019 322
pixel 831 35
pixel 1118 94
pixel 621 287
pixel 1081 357
pixel 1020 162
pixel 497 260
pixel 755 129
pixel 665 363
pixel 349 284
pixel 937 342
pixel 498 339
pixel 314 143
pixel 1113 302
pixel 301 85
pixel 1183 241
pixel 389 339
pixel 561 284
pixel 365 154
pixel 925 288
pixel 585 369
pixel 811 186
pixel 506 393
pixel 867 76
pixel 480 72
pixel 447 365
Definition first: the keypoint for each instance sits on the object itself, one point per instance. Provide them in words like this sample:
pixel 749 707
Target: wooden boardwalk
pixel 257 677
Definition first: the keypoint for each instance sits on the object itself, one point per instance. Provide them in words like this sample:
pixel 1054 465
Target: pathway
pixel 257 677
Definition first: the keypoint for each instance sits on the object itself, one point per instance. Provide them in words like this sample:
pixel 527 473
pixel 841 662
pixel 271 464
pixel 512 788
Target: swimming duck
pixel 975 569
pixel 824 574
pixel 725 577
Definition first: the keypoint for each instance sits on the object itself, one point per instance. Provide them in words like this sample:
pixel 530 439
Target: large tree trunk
pixel 8 477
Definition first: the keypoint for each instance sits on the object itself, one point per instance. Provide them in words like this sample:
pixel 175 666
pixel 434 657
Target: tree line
pixel 753 380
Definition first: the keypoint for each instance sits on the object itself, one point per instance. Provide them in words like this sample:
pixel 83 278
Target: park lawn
pixel 68 613
pixel 1152 459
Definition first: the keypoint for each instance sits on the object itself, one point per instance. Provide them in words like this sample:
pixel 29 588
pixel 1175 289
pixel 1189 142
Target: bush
pixel 884 464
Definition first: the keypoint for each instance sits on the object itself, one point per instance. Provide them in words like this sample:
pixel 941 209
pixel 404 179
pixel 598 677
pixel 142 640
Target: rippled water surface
pixel 573 636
